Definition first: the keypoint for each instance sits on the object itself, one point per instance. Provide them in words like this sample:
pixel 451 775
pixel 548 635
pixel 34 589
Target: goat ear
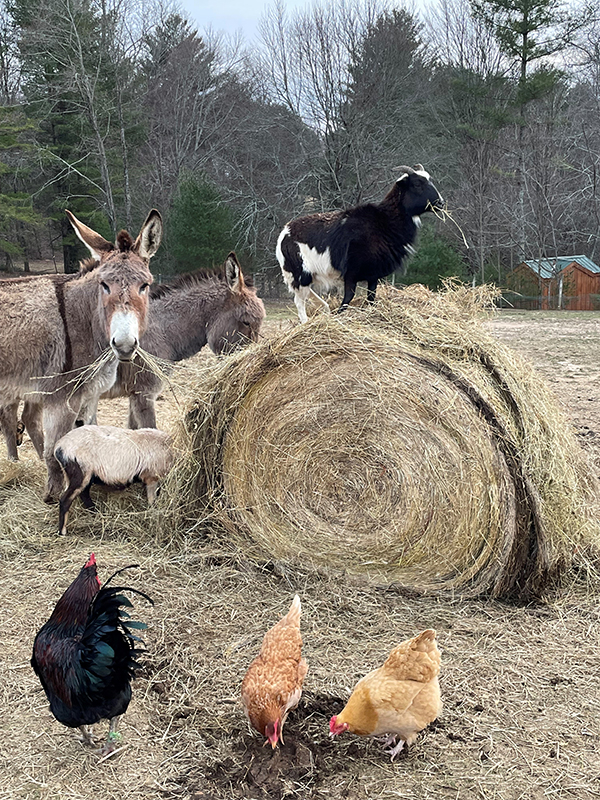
pixel 149 236
pixel 96 244
pixel 233 273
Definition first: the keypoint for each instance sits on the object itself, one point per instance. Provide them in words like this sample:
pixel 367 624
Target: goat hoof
pixel 50 498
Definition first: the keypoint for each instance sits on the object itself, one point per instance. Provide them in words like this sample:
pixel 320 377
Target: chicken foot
pixel 113 739
pixel 391 739
pixel 86 734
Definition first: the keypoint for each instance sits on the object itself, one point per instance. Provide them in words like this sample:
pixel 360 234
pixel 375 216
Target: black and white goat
pixel 364 243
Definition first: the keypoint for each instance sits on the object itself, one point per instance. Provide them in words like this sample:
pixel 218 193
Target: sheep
pixel 112 456
pixel 364 243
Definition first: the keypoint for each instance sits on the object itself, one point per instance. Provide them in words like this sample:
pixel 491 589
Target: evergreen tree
pixel 200 227
pixel 384 121
pixel 18 218
pixel 434 260
pixel 529 32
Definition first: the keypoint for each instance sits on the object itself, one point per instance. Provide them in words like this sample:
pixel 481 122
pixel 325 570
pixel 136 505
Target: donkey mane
pixel 188 280
pixel 87 265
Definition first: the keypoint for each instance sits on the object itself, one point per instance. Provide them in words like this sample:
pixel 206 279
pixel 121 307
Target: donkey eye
pixel 144 287
pixel 105 287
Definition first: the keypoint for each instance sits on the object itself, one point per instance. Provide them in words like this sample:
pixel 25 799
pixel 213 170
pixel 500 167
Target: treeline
pixel 111 107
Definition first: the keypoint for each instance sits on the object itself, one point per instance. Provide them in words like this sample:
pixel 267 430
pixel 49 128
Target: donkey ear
pixel 233 273
pixel 96 244
pixel 149 236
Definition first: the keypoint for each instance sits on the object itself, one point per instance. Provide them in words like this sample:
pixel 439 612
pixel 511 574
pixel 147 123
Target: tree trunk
pixel 126 186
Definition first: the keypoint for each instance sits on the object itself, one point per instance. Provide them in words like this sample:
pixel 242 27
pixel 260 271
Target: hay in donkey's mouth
pixel 400 441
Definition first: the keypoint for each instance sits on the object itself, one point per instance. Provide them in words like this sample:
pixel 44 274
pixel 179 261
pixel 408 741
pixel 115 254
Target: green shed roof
pixel 551 267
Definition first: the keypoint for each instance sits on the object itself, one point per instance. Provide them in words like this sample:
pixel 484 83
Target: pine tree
pixel 200 226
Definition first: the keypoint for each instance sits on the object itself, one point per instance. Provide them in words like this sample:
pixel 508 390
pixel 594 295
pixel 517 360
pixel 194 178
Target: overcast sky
pixel 231 15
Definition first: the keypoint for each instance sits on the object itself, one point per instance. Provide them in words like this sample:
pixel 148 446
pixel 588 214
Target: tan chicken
pixel 272 686
pixel 399 699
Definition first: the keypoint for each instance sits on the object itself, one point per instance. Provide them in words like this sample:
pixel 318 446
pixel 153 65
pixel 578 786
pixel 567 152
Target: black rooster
pixel 85 654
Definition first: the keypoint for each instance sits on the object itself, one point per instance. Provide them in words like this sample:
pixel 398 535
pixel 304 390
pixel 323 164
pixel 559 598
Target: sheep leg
pixel 86 499
pixel 371 289
pixel 77 483
pixel 151 491
pixel 349 292
pixel 32 419
pixel 8 425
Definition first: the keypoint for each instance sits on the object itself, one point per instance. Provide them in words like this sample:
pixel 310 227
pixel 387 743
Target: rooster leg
pixel 112 732
pixel 86 734
pixel 397 749
pixel 114 737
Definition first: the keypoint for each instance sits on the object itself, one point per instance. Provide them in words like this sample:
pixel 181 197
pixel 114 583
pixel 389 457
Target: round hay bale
pixel 400 441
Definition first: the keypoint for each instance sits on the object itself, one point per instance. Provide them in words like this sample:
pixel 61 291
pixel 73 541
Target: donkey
pixel 55 331
pixel 199 308
pixel 31 419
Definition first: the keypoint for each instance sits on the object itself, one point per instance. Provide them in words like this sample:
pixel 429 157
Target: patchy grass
pixel 520 683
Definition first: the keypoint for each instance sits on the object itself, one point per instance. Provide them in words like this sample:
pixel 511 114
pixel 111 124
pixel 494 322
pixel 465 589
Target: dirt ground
pixel 520 685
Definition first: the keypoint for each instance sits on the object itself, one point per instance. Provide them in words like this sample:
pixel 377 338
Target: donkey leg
pixel 88 413
pixel 142 411
pixel 58 420
pixel 8 424
pixel 33 421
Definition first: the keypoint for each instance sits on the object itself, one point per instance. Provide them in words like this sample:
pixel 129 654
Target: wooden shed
pixel 568 282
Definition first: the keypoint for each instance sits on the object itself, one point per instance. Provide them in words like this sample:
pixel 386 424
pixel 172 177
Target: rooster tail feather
pixel 119 571
pixel 129 589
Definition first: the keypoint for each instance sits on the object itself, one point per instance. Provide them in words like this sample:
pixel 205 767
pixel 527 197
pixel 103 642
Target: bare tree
pixel 10 65
pixel 306 62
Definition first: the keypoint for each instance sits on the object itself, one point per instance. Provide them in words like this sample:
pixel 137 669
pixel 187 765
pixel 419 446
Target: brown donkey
pixel 199 308
pixel 62 340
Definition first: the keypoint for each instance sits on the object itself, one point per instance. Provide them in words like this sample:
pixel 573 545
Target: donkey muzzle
pixel 124 334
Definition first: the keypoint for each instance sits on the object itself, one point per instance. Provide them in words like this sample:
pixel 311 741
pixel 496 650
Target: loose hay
pixel 401 442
